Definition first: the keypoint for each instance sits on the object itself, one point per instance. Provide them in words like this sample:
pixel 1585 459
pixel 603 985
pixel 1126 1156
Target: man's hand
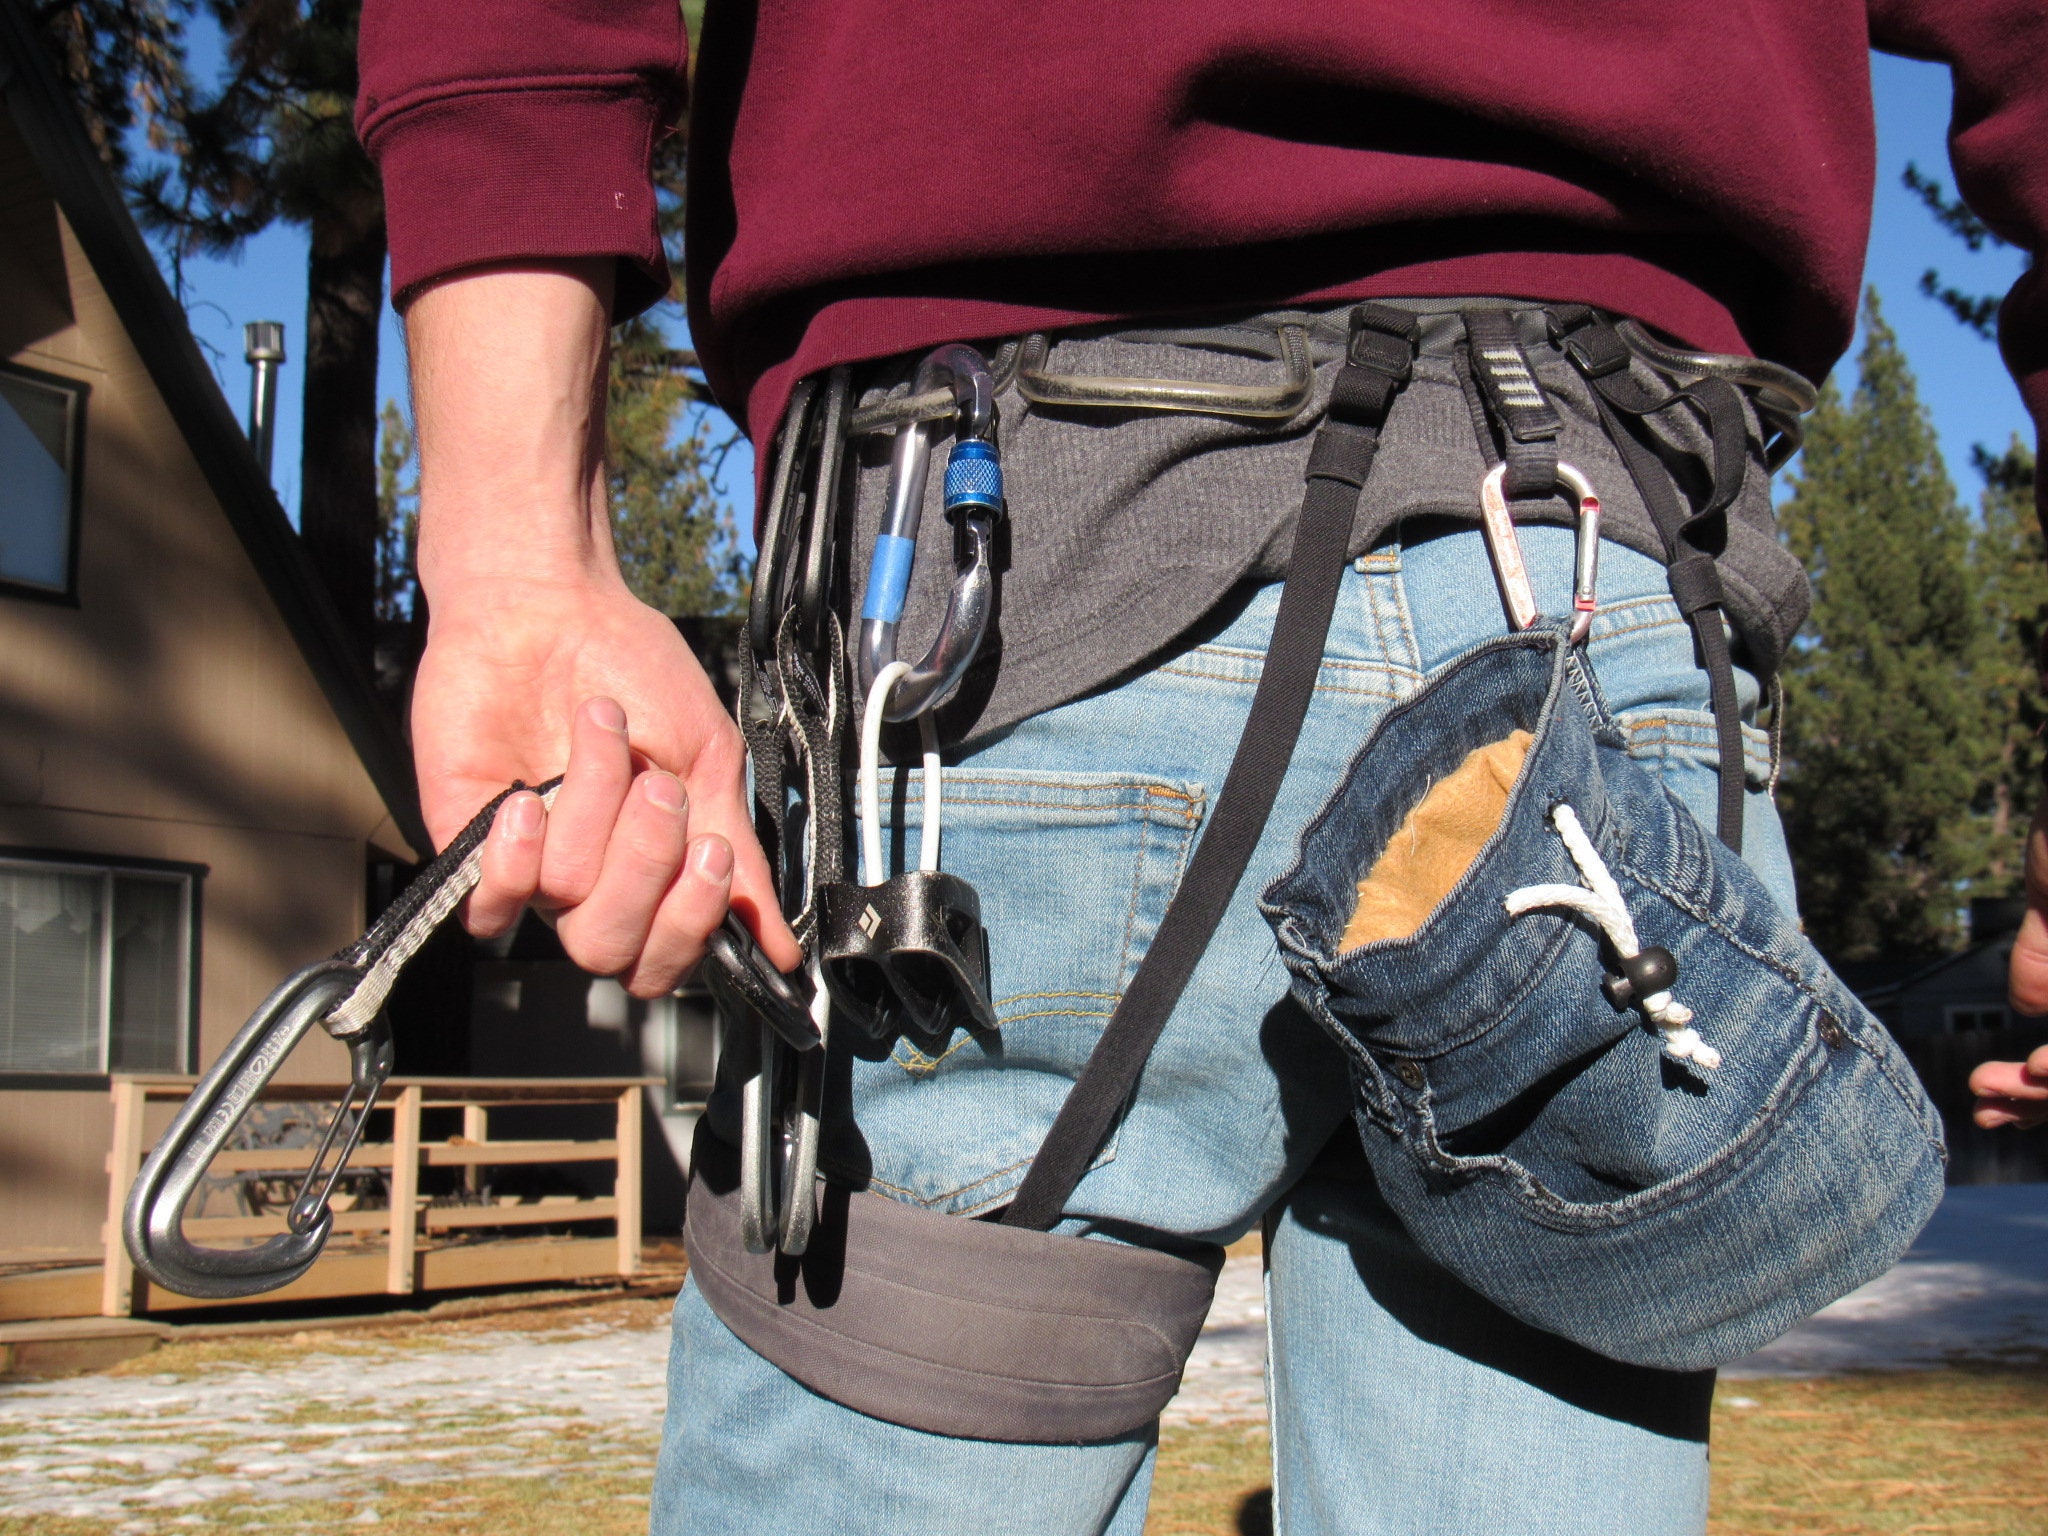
pixel 539 661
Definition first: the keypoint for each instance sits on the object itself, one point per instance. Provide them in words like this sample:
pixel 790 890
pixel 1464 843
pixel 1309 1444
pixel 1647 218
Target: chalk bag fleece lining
pixel 1003 1330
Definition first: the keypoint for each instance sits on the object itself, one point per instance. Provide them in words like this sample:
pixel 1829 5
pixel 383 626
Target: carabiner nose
pixel 1504 547
pixel 973 496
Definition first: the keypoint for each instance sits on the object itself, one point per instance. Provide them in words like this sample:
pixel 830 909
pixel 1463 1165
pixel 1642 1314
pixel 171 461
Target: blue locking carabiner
pixel 973 499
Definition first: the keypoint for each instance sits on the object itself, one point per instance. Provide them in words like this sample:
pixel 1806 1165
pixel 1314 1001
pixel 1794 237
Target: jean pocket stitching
pixel 1519 1183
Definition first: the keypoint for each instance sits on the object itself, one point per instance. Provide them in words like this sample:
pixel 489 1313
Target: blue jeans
pixel 1401 1401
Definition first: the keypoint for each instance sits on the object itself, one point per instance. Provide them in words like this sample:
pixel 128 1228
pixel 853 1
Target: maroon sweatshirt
pixel 872 176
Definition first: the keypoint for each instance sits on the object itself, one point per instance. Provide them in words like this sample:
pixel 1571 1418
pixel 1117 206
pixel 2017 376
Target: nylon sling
pixel 1691 540
pixel 1378 361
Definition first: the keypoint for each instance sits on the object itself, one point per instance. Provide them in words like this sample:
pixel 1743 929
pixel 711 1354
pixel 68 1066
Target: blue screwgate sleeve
pixel 974 478
pixel 888 578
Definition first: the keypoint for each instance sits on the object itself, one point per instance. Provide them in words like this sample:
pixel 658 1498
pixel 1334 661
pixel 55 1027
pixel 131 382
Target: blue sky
pixel 1967 390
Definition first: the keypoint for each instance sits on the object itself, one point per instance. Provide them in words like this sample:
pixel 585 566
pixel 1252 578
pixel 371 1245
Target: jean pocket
pixel 1074 872
pixel 1670 1182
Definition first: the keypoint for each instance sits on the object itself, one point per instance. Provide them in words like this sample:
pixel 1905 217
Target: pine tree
pixel 398 518
pixel 1889 743
pixel 676 542
pixel 2010 576
pixel 274 140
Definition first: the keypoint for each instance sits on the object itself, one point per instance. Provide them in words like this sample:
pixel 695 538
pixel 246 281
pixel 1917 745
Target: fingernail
pixel 523 816
pixel 714 860
pixel 606 712
pixel 664 790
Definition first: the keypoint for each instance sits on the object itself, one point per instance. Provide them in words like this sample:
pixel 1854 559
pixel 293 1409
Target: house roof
pixel 92 204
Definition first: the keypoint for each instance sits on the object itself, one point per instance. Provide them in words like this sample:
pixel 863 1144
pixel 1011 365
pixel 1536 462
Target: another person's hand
pixel 539 660
pixel 2016 1092
pixel 2011 1092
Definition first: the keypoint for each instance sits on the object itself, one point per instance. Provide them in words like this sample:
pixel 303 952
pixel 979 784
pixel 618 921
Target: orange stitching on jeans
pixel 916 1199
pixel 1035 997
pixel 1137 888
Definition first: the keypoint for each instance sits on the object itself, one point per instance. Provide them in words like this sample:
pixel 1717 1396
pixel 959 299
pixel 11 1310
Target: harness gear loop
pixel 1251 402
pixel 973 501
pixel 1505 550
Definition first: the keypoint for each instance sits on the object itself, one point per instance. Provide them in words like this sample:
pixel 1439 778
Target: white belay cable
pixel 873 870
pixel 1600 899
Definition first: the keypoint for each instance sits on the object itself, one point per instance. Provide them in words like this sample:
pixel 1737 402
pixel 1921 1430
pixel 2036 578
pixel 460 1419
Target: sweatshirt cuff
pixel 510 175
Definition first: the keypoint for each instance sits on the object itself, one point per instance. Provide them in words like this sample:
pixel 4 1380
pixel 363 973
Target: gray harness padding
pixel 956 1327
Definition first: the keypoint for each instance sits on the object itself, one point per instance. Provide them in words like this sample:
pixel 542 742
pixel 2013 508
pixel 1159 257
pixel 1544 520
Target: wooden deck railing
pixel 410 1260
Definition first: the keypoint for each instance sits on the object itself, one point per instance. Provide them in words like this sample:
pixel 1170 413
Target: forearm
pixel 508 401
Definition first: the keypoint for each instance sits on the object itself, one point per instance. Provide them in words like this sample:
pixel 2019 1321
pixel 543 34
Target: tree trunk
pixel 338 458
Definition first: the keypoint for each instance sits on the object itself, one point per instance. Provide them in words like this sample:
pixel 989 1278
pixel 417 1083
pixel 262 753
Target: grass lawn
pixel 1961 1451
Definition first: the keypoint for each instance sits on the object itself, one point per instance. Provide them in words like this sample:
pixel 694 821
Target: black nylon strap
pixel 1529 423
pixel 1696 587
pixel 1691 541
pixel 1377 365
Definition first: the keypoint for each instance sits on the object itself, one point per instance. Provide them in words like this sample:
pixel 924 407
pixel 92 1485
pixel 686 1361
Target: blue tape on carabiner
pixel 888 578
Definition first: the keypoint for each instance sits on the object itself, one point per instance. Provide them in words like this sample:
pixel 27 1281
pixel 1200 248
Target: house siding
pixel 168 715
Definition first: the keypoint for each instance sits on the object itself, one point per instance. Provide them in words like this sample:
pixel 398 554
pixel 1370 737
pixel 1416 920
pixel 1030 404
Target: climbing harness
pixel 1010 1331
pixel 1036 1336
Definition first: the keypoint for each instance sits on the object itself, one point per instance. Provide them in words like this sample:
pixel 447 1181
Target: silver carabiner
pixel 1505 550
pixel 974 492
pixel 153 1221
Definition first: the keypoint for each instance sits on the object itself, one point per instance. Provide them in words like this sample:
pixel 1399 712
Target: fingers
pixel 511 866
pixel 719 807
pixel 2011 1092
pixel 607 930
pixel 588 805
pixel 693 906
pixel 635 869
pixel 2027 975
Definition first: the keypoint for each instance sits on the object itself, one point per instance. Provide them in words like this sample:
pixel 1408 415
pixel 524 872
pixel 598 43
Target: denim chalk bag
pixel 1587 1172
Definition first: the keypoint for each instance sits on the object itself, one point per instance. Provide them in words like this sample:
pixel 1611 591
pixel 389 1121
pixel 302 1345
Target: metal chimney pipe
pixel 263 348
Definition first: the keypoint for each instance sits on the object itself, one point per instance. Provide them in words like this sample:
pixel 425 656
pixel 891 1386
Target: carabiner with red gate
pixel 1505 550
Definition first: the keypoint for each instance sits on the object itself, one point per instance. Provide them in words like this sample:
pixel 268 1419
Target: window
pixel 1988 1016
pixel 96 967
pixel 40 418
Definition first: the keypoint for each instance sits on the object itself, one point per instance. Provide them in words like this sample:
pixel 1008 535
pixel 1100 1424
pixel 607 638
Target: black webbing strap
pixel 1691 539
pixel 1377 363
pixel 1529 423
